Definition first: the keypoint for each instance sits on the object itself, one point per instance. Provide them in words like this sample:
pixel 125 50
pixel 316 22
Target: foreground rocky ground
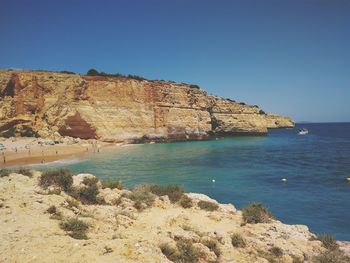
pixel 79 219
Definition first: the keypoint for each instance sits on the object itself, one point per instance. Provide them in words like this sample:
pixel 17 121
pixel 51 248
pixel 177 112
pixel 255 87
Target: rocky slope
pixel 34 228
pixel 120 109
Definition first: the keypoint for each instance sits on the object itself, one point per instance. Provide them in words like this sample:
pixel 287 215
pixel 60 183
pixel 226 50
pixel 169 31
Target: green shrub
pixel 71 202
pixel 174 192
pixel 256 213
pixel 67 72
pixel 209 206
pixel 76 228
pixel 169 251
pixel 237 240
pixel 61 177
pixel 184 252
pixel 11 132
pixel 276 252
pixel 90 181
pixel 86 194
pixel 334 256
pixel 328 241
pixel 52 210
pixel 213 245
pixel 25 172
pixel 186 202
pixel 193 86
pixel 5 172
pixel 142 196
pixel 92 72
pixel 112 183
pixel 107 250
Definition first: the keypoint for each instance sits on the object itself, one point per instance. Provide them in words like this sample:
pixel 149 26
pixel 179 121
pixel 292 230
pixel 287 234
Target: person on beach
pixel 4 159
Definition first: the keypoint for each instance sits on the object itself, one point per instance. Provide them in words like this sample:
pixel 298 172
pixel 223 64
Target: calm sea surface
pixel 250 169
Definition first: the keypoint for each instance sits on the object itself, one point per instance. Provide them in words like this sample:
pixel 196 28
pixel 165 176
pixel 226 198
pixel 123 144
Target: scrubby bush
pixel 276 252
pixel 5 172
pixel 25 172
pixel 184 252
pixel 169 251
pixel 193 86
pixel 174 192
pixel 334 256
pixel 213 245
pixel 55 214
pixel 89 181
pixel 92 72
pixel 328 241
pixel 237 240
pixel 107 250
pixel 61 177
pixel 11 132
pixel 142 197
pixel 112 183
pixel 52 210
pixel 76 228
pixel 27 131
pixel 209 206
pixel 71 202
pixel 186 202
pixel 262 112
pixel 256 213
pixel 67 72
pixel 86 194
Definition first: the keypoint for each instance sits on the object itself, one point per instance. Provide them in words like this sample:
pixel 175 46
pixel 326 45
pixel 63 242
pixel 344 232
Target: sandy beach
pixel 25 151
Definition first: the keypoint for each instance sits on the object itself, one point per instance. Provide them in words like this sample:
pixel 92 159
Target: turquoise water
pixel 249 169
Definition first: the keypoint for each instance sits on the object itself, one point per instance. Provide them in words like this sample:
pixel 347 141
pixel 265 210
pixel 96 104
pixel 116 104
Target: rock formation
pixel 115 229
pixel 46 104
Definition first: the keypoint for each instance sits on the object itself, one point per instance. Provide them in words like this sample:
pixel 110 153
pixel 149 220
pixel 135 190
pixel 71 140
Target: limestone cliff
pixel 120 109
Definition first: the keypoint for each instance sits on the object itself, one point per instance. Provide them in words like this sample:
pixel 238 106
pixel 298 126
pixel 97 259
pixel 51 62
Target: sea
pixel 245 169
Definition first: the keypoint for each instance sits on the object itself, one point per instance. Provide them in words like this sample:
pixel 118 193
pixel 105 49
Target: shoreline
pixel 26 151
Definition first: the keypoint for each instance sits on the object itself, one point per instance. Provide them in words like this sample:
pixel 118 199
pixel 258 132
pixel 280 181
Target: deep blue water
pixel 249 169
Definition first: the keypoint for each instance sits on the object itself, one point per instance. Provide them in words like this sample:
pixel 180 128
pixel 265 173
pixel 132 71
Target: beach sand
pixel 25 151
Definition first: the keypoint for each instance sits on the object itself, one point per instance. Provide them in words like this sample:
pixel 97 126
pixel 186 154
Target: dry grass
pixel 209 206
pixel 112 183
pixel 238 241
pixel 256 213
pixel 182 253
pixel 174 192
pixel 186 202
pixel 328 241
pixel 76 228
pixel 62 178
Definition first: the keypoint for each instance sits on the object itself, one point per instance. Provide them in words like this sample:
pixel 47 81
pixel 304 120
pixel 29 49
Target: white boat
pixel 303 131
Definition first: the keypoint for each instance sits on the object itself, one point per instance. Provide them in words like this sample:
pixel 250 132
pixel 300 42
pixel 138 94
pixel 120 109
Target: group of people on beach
pixel 94 148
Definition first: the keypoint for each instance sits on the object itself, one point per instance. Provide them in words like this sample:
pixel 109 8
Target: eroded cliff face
pixel 120 109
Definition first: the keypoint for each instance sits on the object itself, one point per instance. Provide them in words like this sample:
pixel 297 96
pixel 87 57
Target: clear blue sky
pixel 288 56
